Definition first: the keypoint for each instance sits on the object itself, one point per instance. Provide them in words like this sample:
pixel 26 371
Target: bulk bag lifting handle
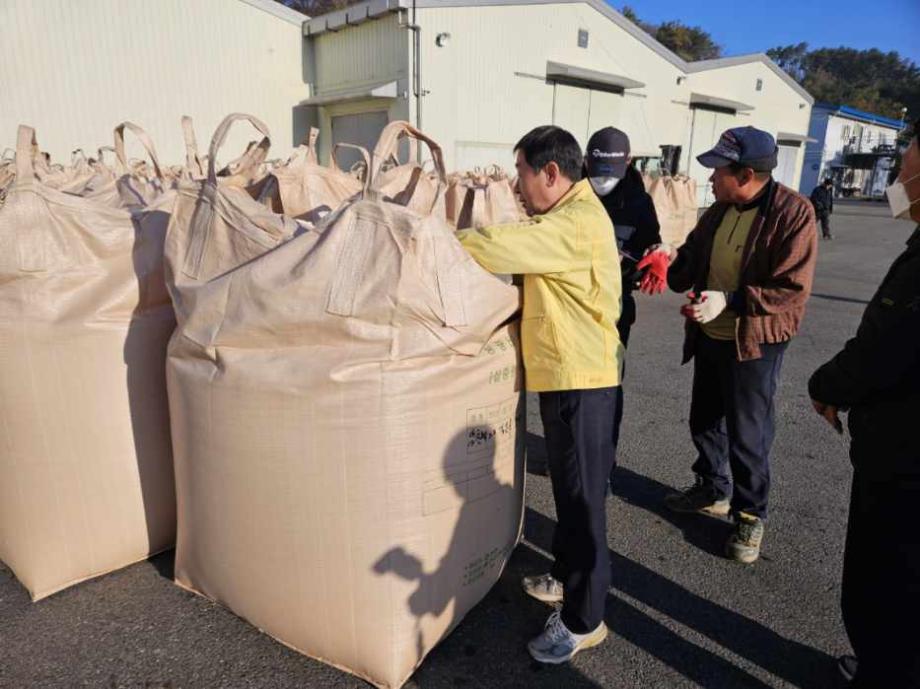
pixel 310 142
pixel 334 163
pixel 387 146
pixel 357 249
pixel 26 146
pixel 220 135
pixel 146 142
pixel 192 160
pixel 201 219
pixel 30 244
pixel 101 151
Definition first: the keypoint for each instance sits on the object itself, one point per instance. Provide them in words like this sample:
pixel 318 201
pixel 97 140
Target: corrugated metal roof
pixel 356 14
pixel 856 114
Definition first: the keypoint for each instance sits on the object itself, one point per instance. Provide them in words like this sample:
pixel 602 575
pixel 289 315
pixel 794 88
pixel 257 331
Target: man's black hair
pixel 759 175
pixel 828 182
pixel 549 143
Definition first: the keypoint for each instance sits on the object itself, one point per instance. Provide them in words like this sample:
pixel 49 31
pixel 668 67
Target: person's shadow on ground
pixel 796 663
pixel 511 617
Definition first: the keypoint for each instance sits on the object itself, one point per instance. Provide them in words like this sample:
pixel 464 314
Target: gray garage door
pixel 362 129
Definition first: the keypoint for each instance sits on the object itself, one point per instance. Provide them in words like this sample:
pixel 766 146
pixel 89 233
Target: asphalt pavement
pixel 680 614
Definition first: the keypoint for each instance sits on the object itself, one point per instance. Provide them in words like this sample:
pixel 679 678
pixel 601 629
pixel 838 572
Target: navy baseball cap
pixel 747 146
pixel 608 151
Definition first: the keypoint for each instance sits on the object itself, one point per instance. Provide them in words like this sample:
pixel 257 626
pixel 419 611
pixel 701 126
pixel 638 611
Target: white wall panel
pixel 488 83
pixel 74 70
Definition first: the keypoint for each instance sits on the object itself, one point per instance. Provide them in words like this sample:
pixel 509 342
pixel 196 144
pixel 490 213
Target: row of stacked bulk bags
pixel 482 197
pixel 86 483
pixel 675 203
pixel 344 386
pixel 347 414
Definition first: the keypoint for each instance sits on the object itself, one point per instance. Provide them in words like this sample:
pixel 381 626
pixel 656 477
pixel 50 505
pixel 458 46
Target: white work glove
pixel 706 307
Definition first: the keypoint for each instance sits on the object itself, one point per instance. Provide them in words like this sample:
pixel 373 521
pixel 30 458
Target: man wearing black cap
pixel 635 223
pixel 749 264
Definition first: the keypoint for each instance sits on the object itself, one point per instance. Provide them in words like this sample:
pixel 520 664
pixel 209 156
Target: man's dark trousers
pixel 731 420
pixel 578 428
pixel 825 221
pixel 881 578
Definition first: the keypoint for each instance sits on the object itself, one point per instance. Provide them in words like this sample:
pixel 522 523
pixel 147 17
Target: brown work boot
pixel 698 498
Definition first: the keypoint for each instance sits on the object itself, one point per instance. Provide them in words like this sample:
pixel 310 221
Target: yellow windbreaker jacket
pixel 568 257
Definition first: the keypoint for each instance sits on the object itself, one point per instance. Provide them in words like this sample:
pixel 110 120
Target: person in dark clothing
pixel 620 189
pixel 876 378
pixel 822 198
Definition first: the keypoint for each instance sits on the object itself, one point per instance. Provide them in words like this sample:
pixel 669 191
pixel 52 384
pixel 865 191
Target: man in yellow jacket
pixel 572 357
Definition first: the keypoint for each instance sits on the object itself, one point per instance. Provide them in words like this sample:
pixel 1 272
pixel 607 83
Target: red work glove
pixel 655 279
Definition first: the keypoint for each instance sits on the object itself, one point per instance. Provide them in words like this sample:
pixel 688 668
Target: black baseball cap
pixel 608 151
pixel 747 146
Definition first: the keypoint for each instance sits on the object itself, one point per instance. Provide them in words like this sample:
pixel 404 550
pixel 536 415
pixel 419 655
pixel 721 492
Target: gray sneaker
pixel 543 587
pixel 698 498
pixel 744 544
pixel 558 645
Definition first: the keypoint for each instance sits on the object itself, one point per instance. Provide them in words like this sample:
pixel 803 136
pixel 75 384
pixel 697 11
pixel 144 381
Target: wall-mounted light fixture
pixel 681 80
pixel 442 39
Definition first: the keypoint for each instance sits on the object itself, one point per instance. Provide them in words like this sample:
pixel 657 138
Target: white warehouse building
pixel 475 75
pixel 487 71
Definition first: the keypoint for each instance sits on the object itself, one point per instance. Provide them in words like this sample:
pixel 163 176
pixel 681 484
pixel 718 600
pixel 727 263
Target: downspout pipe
pixel 417 73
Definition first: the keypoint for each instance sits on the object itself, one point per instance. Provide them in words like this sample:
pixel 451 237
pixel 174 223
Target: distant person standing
pixel 822 198
pixel 620 188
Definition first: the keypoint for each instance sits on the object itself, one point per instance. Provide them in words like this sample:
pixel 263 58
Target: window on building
pixel 845 133
pixel 582 38
pixel 759 86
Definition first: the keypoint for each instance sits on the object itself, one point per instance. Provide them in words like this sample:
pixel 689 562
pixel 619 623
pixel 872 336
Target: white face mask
pixel 898 200
pixel 603 185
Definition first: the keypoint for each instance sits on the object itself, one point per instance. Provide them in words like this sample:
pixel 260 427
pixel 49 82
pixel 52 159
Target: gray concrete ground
pixel 680 614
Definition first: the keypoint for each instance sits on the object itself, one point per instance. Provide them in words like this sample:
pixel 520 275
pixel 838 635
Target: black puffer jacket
pixel 635 224
pixel 877 374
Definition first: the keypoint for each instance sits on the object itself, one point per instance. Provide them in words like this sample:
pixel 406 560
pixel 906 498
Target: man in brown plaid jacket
pixel 749 264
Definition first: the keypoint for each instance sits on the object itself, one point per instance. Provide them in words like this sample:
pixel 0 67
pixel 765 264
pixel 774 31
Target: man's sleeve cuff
pixel 736 301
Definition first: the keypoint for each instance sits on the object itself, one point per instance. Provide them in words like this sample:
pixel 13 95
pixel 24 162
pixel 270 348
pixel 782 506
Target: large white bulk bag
pixel 347 423
pixel 86 482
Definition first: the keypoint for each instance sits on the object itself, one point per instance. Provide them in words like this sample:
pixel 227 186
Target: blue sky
pixel 756 25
